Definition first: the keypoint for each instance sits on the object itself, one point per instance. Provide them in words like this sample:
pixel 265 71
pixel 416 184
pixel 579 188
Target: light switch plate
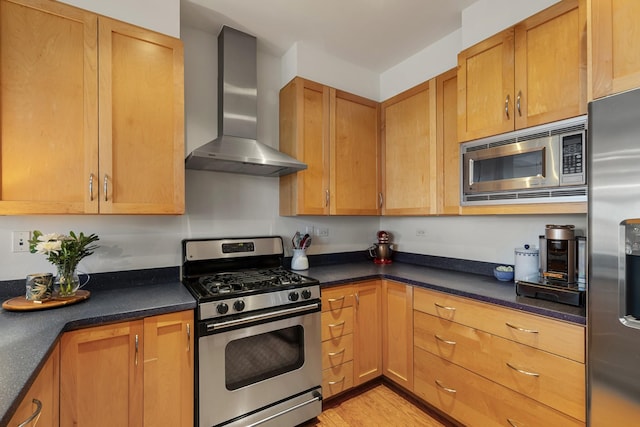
pixel 20 241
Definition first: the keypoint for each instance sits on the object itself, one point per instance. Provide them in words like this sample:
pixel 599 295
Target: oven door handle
pixel 299 405
pixel 259 317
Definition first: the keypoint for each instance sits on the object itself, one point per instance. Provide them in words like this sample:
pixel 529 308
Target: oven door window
pixel 255 358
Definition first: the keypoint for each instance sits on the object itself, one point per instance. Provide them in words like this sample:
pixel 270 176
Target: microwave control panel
pixel 573 157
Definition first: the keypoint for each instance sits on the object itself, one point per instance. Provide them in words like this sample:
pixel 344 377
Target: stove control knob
pixel 238 305
pixel 293 296
pixel 306 294
pixel 222 308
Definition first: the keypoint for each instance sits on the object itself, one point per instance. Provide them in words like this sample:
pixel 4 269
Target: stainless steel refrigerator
pixel 613 296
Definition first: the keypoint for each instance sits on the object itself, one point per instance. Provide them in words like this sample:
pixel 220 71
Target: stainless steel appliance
pixel 558 258
pixel 613 318
pixel 541 164
pixel 382 251
pixel 258 335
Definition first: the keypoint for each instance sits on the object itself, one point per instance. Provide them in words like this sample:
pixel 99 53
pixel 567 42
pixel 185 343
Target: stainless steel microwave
pixel 542 164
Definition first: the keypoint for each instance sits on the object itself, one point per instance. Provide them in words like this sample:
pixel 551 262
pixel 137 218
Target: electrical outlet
pixel 309 230
pixel 322 232
pixel 20 241
pixel 421 233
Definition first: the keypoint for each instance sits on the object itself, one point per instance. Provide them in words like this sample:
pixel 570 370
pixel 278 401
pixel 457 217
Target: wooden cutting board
pixel 22 304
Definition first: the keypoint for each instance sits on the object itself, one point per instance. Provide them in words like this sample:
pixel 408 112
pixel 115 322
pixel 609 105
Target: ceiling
pixel 373 34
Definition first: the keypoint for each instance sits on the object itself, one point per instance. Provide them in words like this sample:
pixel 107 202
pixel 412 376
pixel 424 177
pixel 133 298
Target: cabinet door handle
pixel 439 338
pixel 518 98
pixel 518 328
pixel 444 307
pixel 335 325
pixel 336 382
pixel 506 106
pixel 336 299
pixel 188 337
pixel 357 299
pixel 512 423
pixel 326 198
pixel 531 374
pixel 105 188
pixel 447 389
pixel 33 417
pixel 91 187
pixel 335 353
pixel 136 355
pixel 380 199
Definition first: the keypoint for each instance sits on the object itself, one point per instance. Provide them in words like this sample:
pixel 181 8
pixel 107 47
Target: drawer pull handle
pixel 531 374
pixel 512 423
pixel 447 389
pixel 336 299
pixel 35 416
pixel 335 353
pixel 341 380
pixel 335 325
pixel 444 307
pixel 518 328
pixel 439 338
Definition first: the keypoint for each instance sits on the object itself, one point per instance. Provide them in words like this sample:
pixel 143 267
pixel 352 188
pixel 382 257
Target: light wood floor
pixel 377 405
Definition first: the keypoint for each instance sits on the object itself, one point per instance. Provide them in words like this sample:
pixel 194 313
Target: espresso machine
pixel 382 251
pixel 563 266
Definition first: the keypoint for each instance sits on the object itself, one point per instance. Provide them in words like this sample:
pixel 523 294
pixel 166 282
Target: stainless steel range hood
pixel 236 149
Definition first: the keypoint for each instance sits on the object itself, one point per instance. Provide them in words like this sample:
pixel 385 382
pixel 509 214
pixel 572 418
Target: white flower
pixel 51 237
pixel 47 247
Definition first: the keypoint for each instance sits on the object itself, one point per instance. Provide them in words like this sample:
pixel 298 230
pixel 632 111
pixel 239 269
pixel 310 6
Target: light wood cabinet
pixel 527 75
pixel 615 65
pixel 519 356
pixel 409 152
pixel 367 335
pixel 43 394
pixel 448 148
pixel 109 377
pixel 397 333
pixel 337 135
pixel 337 340
pixel 92 113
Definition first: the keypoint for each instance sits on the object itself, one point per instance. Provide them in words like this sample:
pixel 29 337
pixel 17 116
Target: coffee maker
pixel 382 251
pixel 558 254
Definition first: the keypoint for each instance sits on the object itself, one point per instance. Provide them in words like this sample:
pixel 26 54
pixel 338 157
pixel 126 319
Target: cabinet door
pixel 366 335
pixel 45 392
pixel 551 64
pixel 141 121
pixel 304 135
pixel 48 109
pixel 168 369
pixel 101 376
pixel 614 30
pixel 448 148
pixel 485 87
pixel 355 150
pixel 397 333
pixel 409 151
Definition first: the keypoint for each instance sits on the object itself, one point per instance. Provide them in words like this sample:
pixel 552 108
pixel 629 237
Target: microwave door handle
pixel 470 183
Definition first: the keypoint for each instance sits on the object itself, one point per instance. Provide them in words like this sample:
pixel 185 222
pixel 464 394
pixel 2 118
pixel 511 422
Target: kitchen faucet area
pixel 295 213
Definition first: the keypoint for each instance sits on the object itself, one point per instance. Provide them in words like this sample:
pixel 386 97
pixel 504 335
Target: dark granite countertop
pixel 28 337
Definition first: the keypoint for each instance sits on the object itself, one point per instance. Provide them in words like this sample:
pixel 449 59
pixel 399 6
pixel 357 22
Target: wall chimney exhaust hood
pixel 236 149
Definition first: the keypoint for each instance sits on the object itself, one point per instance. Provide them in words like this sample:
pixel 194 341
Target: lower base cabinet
pixel 40 405
pixel 129 374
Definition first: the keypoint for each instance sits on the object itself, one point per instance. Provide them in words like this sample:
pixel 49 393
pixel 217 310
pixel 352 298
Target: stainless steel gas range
pixel 258 334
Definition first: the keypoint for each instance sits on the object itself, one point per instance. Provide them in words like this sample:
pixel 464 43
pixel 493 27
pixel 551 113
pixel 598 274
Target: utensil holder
pixel 299 260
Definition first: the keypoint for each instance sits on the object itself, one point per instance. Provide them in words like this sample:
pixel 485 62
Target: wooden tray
pixel 22 304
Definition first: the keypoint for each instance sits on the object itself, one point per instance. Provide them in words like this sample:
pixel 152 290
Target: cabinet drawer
pixel 337 351
pixel 476 401
pixel 337 379
pixel 546 377
pixel 337 323
pixel 335 299
pixel 561 338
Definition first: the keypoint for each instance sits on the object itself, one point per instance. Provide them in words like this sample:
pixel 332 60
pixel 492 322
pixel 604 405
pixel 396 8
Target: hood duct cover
pixel 236 150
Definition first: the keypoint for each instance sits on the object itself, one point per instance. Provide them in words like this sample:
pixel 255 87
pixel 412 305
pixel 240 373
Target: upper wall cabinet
pixel 91 113
pixel 527 75
pixel 337 135
pixel 615 59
